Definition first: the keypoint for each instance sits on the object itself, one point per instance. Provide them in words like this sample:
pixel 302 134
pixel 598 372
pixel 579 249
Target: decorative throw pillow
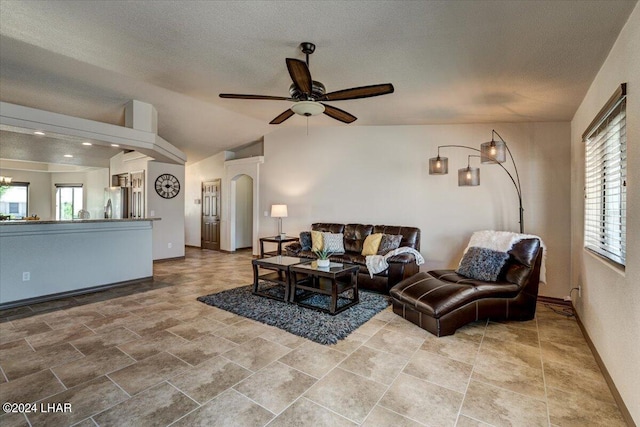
pixel 388 243
pixel 333 242
pixel 482 264
pixel 316 241
pixel 371 244
pixel 305 240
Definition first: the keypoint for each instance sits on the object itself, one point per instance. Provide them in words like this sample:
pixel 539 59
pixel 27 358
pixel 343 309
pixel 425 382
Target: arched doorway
pixel 244 212
pixel 234 169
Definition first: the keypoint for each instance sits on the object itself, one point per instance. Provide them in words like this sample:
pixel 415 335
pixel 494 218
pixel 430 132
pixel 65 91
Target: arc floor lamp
pixel 492 152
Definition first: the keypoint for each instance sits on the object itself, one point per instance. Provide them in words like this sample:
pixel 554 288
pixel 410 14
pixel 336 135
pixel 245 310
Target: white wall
pixel 42 190
pixel 208 169
pixel 610 303
pixel 95 183
pixel 39 191
pixel 169 231
pixel 379 175
pixel 64 257
pixel 244 212
pixel 168 234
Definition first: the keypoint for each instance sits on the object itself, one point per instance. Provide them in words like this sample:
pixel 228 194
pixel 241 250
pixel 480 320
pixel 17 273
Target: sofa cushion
pixel 354 235
pixel 317 242
pixel 388 243
pixel 333 242
pixel 482 263
pixel 328 227
pixel 305 240
pixel 371 244
pixel 410 235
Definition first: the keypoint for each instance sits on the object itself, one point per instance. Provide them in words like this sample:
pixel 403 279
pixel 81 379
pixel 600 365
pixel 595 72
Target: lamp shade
pixel 438 166
pixel 468 177
pixel 279 211
pixel 493 152
pixel 307 108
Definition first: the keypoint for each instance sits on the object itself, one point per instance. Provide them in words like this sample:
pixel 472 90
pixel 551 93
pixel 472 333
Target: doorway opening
pixel 243 212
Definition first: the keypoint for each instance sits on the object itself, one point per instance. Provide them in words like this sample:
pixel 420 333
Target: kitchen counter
pixel 72 221
pixel 44 260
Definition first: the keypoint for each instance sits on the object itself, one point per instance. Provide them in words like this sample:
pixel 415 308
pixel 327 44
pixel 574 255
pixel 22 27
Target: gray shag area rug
pixel 304 322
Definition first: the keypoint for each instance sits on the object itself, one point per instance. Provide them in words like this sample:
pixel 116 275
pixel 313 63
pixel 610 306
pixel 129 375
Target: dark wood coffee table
pixel 278 275
pixel 332 281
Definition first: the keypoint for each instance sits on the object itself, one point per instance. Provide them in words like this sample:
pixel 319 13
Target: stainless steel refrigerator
pixel 117 202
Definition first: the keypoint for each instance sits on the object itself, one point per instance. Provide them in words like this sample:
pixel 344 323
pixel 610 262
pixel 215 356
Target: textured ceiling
pixel 450 61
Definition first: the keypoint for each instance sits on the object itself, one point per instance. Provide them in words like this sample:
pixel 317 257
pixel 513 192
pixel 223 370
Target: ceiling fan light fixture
pixel 308 108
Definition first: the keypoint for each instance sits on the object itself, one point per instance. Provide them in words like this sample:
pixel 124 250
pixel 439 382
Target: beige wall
pixel 42 190
pixel 208 169
pixel 379 175
pixel 168 233
pixel 610 303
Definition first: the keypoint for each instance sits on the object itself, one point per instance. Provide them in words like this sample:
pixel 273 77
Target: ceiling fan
pixel 309 95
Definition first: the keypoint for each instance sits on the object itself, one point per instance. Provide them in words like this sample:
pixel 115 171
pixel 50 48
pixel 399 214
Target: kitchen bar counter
pixel 72 221
pixel 43 260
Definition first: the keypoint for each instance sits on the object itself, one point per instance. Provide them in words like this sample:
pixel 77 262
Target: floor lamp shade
pixel 438 166
pixel 493 152
pixel 468 177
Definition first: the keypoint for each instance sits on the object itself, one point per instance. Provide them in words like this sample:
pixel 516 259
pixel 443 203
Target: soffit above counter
pixel 72 132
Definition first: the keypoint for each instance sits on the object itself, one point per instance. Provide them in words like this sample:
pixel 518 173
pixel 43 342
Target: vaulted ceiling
pixel 450 61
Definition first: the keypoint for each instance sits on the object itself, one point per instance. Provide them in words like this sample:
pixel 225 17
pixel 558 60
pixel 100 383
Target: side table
pixel 275 239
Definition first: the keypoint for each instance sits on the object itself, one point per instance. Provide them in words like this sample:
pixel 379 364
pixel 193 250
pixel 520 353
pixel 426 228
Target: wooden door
pixel 211 215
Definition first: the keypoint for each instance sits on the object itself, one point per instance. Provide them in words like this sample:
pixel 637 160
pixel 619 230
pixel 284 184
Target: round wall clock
pixel 167 186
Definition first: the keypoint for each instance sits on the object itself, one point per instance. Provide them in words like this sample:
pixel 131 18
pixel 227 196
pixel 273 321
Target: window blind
pixel 606 180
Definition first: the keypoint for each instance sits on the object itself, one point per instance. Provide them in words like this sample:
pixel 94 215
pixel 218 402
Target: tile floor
pixel 150 354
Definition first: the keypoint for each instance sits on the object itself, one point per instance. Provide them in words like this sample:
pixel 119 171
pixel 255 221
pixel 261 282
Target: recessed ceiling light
pixel 87 143
pixel 38 132
pixel 68 155
pixel 115 145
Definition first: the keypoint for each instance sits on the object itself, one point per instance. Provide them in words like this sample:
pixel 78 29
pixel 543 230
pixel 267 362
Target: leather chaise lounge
pixel 441 301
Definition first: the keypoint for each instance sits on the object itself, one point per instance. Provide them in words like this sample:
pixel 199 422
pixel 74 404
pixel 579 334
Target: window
pixel 68 200
pixel 14 200
pixel 606 181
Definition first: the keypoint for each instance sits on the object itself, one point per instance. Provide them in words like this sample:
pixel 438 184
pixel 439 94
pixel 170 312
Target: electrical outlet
pixel 169 245
pixel 266 213
pixel 26 276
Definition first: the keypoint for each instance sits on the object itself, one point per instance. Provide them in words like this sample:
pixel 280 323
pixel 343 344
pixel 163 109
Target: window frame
pixel 605 182
pixel 58 195
pixel 21 184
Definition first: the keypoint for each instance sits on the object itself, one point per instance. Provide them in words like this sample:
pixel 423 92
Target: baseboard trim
pixel 178 258
pixel 556 301
pixel 59 295
pixel 605 373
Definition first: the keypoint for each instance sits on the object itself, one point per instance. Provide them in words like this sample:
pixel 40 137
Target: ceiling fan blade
pixel 338 114
pixel 267 97
pixel 300 74
pixel 282 117
pixel 359 92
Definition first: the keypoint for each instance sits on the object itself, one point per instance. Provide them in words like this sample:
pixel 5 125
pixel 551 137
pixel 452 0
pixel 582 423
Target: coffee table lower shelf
pixel 333 281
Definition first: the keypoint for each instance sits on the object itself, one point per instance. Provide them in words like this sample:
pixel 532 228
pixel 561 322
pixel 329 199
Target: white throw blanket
pixel 503 241
pixel 378 263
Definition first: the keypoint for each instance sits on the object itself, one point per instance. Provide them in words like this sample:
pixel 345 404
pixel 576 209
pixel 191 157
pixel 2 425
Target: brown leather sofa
pixel 441 301
pixel 400 266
